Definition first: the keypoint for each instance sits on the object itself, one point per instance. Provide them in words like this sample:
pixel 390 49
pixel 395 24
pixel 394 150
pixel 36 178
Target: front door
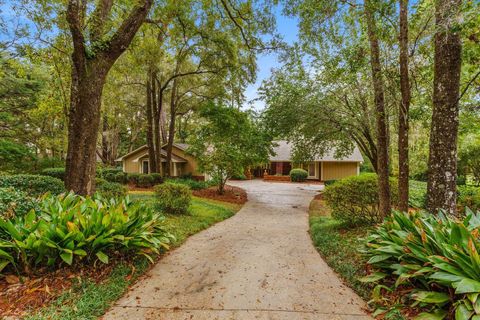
pixel 145 166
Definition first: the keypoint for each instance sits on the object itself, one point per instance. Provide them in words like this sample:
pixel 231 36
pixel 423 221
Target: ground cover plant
pixel 69 228
pixel 430 262
pixel 16 203
pixel 34 185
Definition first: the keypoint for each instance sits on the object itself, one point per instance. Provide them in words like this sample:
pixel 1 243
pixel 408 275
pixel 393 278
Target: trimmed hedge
pixel 192 184
pixel 109 189
pixel 173 198
pixel 298 175
pixel 16 203
pixel 33 185
pixel 58 173
pixel 355 199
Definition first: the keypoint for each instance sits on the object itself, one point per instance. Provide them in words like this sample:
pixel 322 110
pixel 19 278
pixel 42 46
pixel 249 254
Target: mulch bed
pixel 231 194
pixel 22 294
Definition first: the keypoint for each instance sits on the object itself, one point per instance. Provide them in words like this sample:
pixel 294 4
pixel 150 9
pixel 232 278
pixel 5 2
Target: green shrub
pixel 329 182
pixel 33 185
pixel 173 198
pixel 71 228
pixel 111 189
pixel 355 199
pixel 191 183
pixel 417 194
pixel 58 173
pixel 120 177
pixel 157 178
pixel 469 197
pixel 239 177
pixel 132 178
pixel 432 262
pixel 145 181
pixel 16 203
pixel 298 175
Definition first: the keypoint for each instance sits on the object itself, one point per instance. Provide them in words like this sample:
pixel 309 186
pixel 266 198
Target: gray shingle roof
pixel 284 150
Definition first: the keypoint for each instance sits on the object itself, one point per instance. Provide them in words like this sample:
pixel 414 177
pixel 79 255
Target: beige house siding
pixel 191 166
pixel 338 170
pixel 130 166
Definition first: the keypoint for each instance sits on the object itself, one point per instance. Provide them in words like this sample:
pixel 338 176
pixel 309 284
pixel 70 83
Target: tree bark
pixel 403 117
pixel 171 128
pixel 157 103
pixel 149 110
pixel 382 129
pixel 90 67
pixel 442 162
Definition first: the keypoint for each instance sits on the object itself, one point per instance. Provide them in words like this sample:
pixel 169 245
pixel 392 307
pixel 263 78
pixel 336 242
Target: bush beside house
pixel 298 175
pixel 33 185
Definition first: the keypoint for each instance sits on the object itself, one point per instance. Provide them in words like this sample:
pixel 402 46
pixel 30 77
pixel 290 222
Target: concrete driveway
pixel 259 264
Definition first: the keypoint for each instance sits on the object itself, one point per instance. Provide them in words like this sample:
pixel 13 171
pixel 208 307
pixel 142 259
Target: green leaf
pixel 462 313
pixel 437 315
pixel 378 258
pixel 80 252
pixel 467 286
pixel 102 257
pixel 431 297
pixel 67 257
pixel 374 277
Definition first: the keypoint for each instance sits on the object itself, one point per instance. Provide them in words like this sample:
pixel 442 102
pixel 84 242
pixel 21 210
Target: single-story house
pixel 322 168
pixel 137 161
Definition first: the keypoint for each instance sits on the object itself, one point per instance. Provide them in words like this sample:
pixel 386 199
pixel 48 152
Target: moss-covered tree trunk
pixel 442 162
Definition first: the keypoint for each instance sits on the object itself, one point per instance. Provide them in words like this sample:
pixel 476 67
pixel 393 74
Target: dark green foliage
pixel 461 180
pixel 58 173
pixel 145 181
pixel 468 196
pixel 132 178
pixel 34 185
pixel 16 203
pixel 71 228
pixel 193 184
pixel 329 182
pixel 417 194
pixel 120 177
pixel 239 177
pixel 432 260
pixel 354 200
pixel 110 189
pixel 157 178
pixel 173 198
pixel 14 156
pixel 298 175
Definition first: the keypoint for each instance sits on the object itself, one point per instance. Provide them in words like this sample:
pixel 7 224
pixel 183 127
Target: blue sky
pixel 288 29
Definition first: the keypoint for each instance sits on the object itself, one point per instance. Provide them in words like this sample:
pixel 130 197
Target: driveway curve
pixel 259 264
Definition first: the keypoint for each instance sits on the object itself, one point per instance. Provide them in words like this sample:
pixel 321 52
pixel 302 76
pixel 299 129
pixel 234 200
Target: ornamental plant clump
pixel 431 261
pixel 354 200
pixel 298 175
pixel 70 228
pixel 173 198
pixel 34 185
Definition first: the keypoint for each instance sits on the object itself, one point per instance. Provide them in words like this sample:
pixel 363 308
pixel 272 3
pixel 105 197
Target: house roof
pixel 163 153
pixel 283 152
pixel 175 158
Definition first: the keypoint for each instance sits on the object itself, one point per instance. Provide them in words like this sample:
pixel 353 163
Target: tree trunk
pixel 403 117
pixel 171 128
pixel 150 144
pixel 442 162
pixel 157 103
pixel 90 67
pixel 84 121
pixel 382 129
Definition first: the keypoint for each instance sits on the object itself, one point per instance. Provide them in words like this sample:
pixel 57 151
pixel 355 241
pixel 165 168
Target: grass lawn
pixel 339 246
pixel 89 300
